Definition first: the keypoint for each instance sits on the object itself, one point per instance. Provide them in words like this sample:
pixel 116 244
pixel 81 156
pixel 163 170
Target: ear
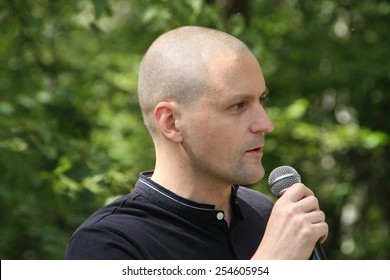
pixel 165 115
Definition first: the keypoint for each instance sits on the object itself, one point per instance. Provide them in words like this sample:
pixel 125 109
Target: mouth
pixel 258 151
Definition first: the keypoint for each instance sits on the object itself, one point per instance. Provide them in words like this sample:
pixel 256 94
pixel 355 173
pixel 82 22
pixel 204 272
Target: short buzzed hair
pixel 175 67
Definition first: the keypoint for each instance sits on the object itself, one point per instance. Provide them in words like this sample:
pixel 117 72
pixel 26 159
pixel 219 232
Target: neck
pixel 192 184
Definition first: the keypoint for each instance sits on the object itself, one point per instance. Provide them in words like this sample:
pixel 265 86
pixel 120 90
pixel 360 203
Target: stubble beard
pixel 246 175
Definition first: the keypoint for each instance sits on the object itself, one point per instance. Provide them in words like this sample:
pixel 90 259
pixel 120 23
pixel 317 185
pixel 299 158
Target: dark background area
pixel 71 133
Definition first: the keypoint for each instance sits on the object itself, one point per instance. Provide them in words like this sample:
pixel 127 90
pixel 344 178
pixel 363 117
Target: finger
pixel 315 217
pixel 308 204
pixel 322 230
pixel 297 192
pixel 319 227
pixel 323 238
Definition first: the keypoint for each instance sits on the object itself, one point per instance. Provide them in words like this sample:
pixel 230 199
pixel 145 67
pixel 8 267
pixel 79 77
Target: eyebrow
pixel 265 94
pixel 245 96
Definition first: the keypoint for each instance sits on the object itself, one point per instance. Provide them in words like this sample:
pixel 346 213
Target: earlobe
pixel 165 115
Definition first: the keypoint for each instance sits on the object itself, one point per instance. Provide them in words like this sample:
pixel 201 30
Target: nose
pixel 261 122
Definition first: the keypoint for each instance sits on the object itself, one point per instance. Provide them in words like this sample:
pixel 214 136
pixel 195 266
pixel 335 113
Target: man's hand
pixel 295 225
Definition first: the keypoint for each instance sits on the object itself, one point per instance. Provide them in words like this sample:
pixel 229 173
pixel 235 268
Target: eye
pixel 239 106
pixel 263 99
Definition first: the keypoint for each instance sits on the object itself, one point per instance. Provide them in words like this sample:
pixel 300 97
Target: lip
pixel 258 151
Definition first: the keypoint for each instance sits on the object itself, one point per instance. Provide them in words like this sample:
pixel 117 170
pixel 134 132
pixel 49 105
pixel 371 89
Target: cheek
pixel 209 136
pixel 214 141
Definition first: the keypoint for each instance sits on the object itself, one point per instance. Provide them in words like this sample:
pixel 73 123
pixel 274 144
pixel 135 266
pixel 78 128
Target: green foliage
pixel 71 133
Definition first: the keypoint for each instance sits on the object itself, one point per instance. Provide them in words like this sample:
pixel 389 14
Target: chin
pixel 250 177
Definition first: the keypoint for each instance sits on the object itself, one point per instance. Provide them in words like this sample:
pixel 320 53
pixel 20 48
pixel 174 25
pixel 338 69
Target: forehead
pixel 234 74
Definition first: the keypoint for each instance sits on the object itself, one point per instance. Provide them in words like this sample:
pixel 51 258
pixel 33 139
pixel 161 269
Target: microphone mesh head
pixel 282 178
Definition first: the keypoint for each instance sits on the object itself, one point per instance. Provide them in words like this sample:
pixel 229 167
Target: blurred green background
pixel 72 138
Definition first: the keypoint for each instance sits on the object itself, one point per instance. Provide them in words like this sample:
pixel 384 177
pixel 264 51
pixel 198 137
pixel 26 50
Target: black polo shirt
pixel 154 223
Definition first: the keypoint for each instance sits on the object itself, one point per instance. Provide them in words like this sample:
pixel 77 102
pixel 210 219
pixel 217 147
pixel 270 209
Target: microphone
pixel 279 180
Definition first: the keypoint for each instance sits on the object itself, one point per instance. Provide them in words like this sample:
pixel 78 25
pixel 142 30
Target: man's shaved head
pixel 175 67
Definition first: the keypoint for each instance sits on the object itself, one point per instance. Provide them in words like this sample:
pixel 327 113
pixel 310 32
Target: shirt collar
pixel 182 206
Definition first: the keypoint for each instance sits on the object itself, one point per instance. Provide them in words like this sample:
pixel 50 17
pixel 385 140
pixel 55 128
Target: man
pixel 201 92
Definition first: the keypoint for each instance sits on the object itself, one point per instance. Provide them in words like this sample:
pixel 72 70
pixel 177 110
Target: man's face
pixel 224 130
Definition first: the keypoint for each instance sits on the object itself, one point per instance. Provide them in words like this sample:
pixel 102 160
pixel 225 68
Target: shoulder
pixel 255 200
pixel 112 232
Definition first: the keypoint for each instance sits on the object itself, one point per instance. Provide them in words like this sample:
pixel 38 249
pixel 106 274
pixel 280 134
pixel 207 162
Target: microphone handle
pixel 318 252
